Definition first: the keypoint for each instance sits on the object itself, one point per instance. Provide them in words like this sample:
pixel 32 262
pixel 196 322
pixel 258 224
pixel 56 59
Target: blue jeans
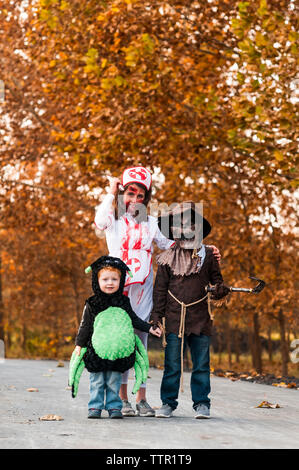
pixel 200 377
pixel 109 381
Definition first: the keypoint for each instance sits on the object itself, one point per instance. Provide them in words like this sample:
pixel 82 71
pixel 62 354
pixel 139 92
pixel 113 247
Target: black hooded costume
pixel 101 301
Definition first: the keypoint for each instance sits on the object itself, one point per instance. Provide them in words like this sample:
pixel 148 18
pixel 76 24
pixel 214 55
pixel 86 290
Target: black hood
pixel 101 263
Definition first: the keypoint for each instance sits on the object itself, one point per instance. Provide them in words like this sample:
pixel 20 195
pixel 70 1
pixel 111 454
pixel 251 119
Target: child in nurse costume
pixel 131 240
pixel 130 235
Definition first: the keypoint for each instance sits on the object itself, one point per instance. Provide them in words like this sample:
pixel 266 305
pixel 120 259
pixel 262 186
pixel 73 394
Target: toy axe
pixel 255 290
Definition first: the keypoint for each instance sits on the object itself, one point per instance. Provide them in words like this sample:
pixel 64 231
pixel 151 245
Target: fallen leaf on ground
pixel 266 404
pixel 51 418
pixel 32 389
pixel 284 385
pixel 280 384
pixel 60 364
pixel 292 385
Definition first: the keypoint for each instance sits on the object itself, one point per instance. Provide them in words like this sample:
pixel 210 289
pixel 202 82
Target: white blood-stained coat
pixel 132 242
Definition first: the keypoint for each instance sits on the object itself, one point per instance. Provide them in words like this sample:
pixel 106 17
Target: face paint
pixel 133 195
pixel 131 188
pixel 186 235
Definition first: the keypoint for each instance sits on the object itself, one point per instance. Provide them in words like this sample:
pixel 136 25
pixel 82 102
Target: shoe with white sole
pixel 202 412
pixel 144 409
pixel 115 413
pixel 127 409
pixel 164 412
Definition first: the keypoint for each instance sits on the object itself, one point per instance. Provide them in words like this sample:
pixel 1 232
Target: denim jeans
pixel 200 376
pixel 101 382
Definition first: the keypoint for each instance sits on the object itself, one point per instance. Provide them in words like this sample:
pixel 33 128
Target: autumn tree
pixel 47 240
pixel 265 85
pixel 203 93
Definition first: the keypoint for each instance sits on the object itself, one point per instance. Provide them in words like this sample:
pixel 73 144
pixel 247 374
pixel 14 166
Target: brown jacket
pixel 187 289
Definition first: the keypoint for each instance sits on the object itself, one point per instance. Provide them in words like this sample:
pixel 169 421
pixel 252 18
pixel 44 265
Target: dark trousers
pixel 200 377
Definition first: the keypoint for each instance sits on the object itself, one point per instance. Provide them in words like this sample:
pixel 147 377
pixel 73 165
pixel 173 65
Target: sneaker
pixel 127 409
pixel 143 409
pixel 164 412
pixel 115 413
pixel 93 413
pixel 202 412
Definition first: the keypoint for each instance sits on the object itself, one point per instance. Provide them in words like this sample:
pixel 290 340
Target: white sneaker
pixel 144 409
pixel 202 412
pixel 164 412
pixel 127 409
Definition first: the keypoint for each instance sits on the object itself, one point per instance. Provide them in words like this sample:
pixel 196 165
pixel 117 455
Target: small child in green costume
pixel 106 343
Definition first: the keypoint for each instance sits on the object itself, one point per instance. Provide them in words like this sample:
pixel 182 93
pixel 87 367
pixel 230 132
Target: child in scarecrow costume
pixel 106 343
pixel 181 303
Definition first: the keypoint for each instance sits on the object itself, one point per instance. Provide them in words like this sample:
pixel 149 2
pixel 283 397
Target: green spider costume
pixel 106 334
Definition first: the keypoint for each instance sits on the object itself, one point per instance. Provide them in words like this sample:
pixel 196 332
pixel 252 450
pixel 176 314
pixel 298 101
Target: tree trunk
pixel 283 344
pixel 257 344
pixel 228 343
pixel 219 347
pixel 252 349
pixel 270 346
pixel 1 304
pixel 24 338
pixel 78 309
pixel 237 345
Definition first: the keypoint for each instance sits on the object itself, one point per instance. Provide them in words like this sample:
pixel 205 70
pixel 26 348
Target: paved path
pixel 236 423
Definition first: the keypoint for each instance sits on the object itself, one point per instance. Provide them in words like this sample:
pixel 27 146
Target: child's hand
pixel 221 290
pixel 216 253
pixel 114 183
pixel 78 350
pixel 156 332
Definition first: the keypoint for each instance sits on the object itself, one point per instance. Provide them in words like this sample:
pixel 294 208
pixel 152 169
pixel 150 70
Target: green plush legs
pixel 142 351
pixel 76 368
pixel 140 372
pixel 141 365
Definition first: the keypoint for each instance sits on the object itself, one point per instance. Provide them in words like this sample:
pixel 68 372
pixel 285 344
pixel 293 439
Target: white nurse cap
pixel 137 174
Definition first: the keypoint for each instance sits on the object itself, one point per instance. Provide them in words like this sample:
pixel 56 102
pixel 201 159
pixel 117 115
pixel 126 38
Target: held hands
pixel 78 350
pixel 155 332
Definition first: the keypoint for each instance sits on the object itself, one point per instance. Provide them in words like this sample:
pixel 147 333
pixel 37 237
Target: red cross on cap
pixel 137 174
